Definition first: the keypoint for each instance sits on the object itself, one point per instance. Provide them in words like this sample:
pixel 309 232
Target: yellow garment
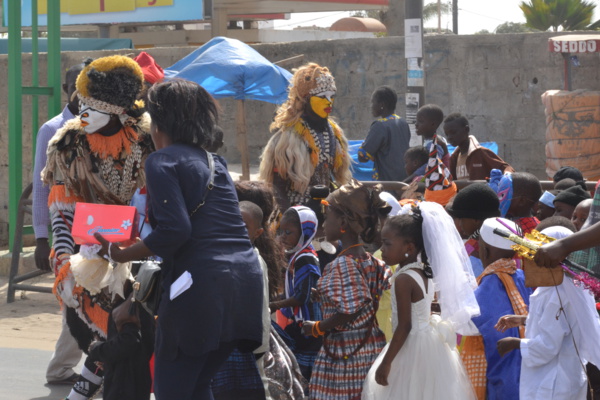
pixel 384 313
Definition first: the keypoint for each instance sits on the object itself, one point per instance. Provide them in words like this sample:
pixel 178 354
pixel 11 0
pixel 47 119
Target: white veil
pixel 453 277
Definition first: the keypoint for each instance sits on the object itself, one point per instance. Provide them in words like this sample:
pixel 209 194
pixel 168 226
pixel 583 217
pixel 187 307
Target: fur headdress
pixel 308 80
pixel 110 84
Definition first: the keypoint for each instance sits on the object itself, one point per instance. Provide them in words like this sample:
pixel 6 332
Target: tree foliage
pixel 569 15
pixel 430 10
pixel 513 27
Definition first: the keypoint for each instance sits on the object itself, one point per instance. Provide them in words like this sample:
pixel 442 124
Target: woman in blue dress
pixel 199 233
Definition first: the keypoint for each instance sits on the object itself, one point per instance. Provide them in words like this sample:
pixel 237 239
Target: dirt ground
pixel 33 320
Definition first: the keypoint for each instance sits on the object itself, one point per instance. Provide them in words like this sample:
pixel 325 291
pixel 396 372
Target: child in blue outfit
pixel 297 229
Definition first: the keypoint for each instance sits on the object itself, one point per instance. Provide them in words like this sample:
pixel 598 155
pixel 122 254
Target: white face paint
pixel 93 120
pixel 327 94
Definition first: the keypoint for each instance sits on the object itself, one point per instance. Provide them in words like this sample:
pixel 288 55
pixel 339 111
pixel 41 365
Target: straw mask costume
pixel 307 147
pixel 97 157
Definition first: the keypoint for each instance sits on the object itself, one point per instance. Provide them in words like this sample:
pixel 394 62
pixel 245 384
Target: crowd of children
pixel 462 319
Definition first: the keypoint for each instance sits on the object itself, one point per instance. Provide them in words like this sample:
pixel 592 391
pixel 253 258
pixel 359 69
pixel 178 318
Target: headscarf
pixel 308 229
pixel 361 205
pixel 502 185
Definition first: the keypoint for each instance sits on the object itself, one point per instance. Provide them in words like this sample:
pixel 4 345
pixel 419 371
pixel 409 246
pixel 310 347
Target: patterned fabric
pixel 238 374
pixel 299 271
pixel 590 258
pixel 349 285
pixel 473 353
pixel 437 176
pixel 527 224
pixel 439 187
pixel 325 148
pixel 300 277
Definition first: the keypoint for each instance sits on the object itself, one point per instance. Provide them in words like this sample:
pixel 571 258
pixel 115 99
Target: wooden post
pixel 242 139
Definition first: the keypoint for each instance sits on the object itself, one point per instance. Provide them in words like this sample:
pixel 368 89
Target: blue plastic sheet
pixel 364 171
pixel 360 171
pixel 229 68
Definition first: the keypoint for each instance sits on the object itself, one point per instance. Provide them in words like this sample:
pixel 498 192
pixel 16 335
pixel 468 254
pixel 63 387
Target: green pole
pixel 15 118
pixel 54 74
pixel 35 77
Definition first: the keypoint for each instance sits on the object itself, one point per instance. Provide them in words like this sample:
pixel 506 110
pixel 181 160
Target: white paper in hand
pixel 181 284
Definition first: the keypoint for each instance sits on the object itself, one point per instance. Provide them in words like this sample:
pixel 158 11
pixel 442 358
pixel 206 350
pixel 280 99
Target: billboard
pixel 81 12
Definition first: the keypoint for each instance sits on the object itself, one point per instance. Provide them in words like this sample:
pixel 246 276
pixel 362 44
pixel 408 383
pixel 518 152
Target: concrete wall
pixel 495 80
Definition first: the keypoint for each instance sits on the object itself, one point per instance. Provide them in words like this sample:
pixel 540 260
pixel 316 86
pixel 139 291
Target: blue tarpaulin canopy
pixel 229 68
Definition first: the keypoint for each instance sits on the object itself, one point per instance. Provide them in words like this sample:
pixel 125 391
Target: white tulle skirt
pixel 427 367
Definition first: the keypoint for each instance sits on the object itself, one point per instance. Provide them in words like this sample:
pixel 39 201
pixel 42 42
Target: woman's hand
pixel 307 328
pixel 507 345
pixel 382 373
pixel 110 251
pixel 510 321
pixel 551 254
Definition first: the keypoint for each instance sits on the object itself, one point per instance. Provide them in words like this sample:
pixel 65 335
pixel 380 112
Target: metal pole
pixel 455 16
pixel 35 77
pixel 567 64
pixel 15 118
pixel 415 67
pixel 54 101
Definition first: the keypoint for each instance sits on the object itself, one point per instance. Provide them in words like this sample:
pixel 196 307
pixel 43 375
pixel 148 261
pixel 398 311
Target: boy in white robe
pixel 560 318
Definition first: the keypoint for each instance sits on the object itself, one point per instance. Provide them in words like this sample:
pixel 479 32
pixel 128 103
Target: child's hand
pixel 508 344
pixel 382 373
pixel 510 321
pixel 314 295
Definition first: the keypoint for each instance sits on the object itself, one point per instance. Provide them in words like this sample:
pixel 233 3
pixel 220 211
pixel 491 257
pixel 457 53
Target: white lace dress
pixel 428 365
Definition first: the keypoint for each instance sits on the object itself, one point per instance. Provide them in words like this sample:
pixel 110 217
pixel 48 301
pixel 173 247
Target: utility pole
pixel 455 16
pixel 415 68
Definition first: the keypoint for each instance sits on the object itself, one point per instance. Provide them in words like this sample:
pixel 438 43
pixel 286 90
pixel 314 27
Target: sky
pixel 473 16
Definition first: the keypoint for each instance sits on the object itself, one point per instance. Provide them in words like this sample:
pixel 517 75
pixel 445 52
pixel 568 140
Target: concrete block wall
pixel 495 80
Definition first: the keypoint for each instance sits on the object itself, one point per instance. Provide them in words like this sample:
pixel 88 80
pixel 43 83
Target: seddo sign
pixel 574 44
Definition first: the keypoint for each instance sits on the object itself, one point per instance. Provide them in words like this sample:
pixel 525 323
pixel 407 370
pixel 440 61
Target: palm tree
pixel 570 15
pixel 436 9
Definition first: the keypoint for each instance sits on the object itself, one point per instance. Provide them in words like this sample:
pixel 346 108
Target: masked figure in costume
pixel 307 148
pixel 97 157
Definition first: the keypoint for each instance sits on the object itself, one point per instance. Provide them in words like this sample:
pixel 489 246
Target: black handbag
pixel 147 286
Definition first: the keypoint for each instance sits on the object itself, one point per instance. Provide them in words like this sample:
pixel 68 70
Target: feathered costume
pixel 95 167
pixel 299 155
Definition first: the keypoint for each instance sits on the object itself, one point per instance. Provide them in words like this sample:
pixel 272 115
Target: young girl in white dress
pixel 421 360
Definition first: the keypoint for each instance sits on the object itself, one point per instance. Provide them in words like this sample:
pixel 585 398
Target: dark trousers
pixel 186 377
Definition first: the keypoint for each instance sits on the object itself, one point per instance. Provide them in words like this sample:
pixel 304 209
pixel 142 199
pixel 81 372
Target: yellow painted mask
pixel 321 105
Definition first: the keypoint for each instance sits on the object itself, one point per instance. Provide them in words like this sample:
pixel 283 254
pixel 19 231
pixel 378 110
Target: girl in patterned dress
pixel 349 292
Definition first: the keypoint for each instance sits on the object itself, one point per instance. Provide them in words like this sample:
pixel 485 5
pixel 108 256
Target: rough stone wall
pixel 495 80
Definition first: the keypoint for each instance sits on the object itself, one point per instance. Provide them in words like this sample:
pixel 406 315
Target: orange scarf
pixel 473 352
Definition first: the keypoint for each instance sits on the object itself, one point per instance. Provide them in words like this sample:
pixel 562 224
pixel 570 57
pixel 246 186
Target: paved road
pixel 23 376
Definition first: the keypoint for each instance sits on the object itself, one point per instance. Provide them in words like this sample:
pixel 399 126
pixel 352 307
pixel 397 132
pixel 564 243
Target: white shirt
pixel 550 366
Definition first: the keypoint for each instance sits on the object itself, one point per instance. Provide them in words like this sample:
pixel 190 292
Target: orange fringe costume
pixel 93 168
pixel 473 352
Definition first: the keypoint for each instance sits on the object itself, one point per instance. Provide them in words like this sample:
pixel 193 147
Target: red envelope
pixel 115 223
